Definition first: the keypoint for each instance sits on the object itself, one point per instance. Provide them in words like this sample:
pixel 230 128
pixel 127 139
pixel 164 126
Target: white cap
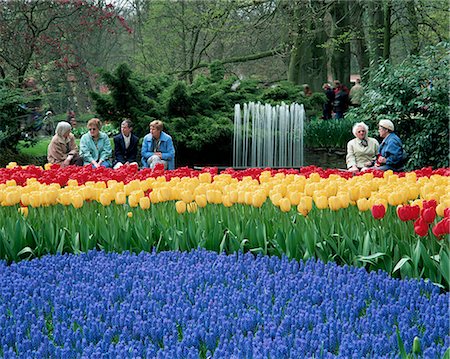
pixel 386 124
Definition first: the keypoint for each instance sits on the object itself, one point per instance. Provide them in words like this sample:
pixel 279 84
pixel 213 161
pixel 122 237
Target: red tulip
pixel 403 213
pixel 429 214
pixel 447 213
pixel 430 204
pixel 442 228
pixel 378 211
pixel 414 212
pixel 421 227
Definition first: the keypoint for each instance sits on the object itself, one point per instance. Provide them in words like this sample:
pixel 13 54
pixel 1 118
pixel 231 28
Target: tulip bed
pixel 201 304
pixel 395 222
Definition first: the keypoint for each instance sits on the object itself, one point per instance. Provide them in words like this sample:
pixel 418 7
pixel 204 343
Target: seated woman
pixel 362 150
pixel 157 147
pixel 62 149
pixel 95 147
pixel 390 152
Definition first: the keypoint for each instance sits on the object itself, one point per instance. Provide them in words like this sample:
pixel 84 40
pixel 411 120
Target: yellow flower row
pixel 282 190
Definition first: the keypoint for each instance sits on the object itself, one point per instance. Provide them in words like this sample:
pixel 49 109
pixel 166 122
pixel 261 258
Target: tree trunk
pixel 308 58
pixel 387 30
pixel 413 27
pixel 359 43
pixel 340 60
pixel 375 32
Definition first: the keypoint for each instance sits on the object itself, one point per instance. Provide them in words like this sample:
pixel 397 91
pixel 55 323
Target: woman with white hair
pixel 362 150
pixel 390 153
pixel 62 149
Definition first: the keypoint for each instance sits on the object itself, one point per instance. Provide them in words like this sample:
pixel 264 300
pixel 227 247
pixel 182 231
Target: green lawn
pixel 39 149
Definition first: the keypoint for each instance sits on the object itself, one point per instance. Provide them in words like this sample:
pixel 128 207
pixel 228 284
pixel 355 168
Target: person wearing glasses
pixel 390 153
pixel 95 147
pixel 62 149
pixel 362 150
pixel 157 147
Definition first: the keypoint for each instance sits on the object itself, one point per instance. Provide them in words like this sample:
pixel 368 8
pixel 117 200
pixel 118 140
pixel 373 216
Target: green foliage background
pixel 198 116
pixel 414 96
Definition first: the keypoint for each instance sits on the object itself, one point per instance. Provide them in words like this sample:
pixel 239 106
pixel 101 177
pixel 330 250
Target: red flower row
pixel 125 174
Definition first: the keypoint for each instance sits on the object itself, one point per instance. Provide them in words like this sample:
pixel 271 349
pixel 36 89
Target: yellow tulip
pixel 248 198
pixel 331 189
pixel 205 177
pixel 187 196
pixel 321 202
pixel 191 207
pixel 72 183
pixel 133 200
pixel 154 196
pixel 395 198
pixel 344 198
pixel 23 211
pixel 120 198
pixel 233 196
pixel 354 193
pixel 334 203
pixel 165 193
pixel 180 207
pixel 11 183
pixel 294 197
pixel 440 209
pixel 314 177
pixel 276 198
pixel 285 204
pixel 200 199
pixel 302 210
pixel 363 204
pixel 258 199
pixel 226 200
pixel 10 199
pixel 104 199
pixel 130 214
pixel 77 200
pixel 310 188
pixel 306 202
pixel 144 202
pixel 25 199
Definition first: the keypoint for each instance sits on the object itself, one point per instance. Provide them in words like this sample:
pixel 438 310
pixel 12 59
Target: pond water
pixel 324 158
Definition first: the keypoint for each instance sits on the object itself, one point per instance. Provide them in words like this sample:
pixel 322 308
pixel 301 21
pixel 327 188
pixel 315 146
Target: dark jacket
pixel 340 101
pixel 122 154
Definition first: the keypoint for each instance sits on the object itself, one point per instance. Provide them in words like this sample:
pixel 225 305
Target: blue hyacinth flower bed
pixel 203 304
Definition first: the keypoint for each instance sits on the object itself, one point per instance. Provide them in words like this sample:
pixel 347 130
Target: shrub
pixel 414 95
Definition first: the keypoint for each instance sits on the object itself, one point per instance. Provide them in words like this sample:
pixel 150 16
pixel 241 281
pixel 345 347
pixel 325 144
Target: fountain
pixel 268 136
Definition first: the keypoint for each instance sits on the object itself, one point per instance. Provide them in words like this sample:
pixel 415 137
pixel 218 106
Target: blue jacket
pixel 89 150
pixel 166 148
pixel 391 148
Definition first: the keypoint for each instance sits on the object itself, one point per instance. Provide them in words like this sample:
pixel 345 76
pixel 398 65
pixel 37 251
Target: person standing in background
pixel 356 93
pixel 340 104
pixel 328 106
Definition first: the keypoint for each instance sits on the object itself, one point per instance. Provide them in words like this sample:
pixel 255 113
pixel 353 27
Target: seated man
pixel 125 145
pixel 157 147
pixel 390 152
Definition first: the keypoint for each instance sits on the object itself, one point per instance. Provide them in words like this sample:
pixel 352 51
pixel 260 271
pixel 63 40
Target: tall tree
pixel 340 59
